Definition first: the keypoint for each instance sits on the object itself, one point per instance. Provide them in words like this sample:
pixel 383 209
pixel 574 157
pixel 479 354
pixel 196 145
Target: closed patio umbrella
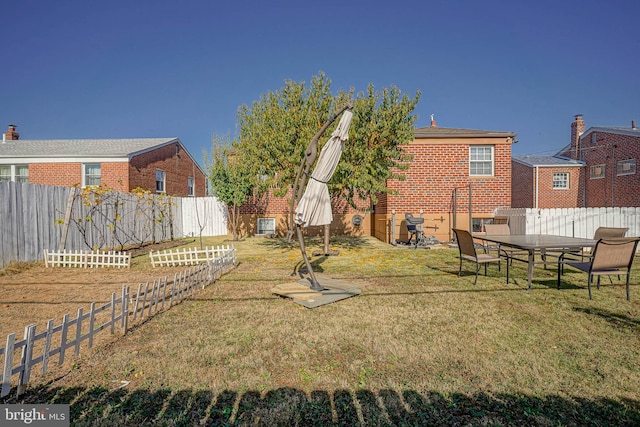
pixel 314 207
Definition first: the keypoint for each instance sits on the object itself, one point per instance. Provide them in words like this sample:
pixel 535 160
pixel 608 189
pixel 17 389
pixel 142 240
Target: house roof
pixel 438 132
pixel 547 161
pixel 619 130
pixel 117 148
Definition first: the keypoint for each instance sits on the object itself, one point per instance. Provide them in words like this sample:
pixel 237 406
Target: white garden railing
pixel 85 259
pixel 186 256
pixel 19 357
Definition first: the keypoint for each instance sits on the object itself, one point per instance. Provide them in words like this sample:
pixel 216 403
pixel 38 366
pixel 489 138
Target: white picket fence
pixel 186 256
pixel 87 259
pixel 574 222
pixel 40 348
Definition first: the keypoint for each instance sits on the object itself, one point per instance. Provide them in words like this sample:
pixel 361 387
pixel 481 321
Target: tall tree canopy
pixel 275 130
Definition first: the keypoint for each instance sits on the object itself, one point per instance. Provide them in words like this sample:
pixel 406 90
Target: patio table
pixel 541 243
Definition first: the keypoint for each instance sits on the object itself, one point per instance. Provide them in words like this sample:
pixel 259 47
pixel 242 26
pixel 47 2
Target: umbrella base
pixel 300 293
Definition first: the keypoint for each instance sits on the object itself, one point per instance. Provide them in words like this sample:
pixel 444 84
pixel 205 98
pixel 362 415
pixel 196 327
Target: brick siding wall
pixel 178 167
pixel 522 186
pixel 612 190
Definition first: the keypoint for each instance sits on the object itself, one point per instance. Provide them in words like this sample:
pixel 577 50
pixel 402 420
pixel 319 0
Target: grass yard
pixel 419 346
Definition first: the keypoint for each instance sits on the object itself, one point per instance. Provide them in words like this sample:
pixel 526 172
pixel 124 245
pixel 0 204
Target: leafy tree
pixel 230 180
pixel 276 130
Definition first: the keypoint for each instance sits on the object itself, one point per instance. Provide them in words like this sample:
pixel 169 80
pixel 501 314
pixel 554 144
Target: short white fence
pixel 186 256
pixel 20 357
pixel 87 259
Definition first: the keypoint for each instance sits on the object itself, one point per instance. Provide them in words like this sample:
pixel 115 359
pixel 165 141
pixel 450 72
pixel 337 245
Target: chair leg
pixel 589 285
pixel 460 269
pixel 477 270
pixel 628 297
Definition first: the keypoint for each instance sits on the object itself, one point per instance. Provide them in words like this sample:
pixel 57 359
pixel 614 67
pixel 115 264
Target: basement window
pixel 266 226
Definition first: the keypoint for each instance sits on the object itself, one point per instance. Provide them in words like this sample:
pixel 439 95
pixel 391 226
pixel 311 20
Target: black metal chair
pixel 412 229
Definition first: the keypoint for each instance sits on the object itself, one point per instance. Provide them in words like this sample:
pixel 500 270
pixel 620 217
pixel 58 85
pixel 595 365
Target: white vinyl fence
pixel 573 222
pixel 19 357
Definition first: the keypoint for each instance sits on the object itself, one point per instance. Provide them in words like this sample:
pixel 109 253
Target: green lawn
pixel 419 346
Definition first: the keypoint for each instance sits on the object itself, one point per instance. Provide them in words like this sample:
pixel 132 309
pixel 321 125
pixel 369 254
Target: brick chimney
pixel 433 122
pixel 577 129
pixel 11 134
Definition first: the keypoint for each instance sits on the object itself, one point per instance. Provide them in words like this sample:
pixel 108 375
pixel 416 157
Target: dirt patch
pixel 33 294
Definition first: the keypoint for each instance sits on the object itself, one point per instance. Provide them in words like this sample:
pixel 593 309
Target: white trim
pixel 29 160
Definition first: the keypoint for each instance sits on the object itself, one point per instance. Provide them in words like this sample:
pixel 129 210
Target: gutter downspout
pixel 537 170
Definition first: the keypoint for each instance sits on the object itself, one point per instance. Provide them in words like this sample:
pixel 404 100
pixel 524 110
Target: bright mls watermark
pixel 34 415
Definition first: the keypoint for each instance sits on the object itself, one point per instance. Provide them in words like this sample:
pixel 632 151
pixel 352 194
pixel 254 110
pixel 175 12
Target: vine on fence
pixel 107 218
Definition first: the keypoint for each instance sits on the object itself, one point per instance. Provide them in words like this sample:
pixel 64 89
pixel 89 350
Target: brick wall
pixel 612 190
pixel 60 174
pixel 178 167
pixel 436 170
pixel 522 186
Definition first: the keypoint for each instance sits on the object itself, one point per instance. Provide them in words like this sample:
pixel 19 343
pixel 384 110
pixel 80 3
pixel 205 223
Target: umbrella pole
pixel 314 282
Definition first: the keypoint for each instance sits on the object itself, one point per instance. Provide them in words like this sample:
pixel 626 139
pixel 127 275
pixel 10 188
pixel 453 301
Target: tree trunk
pixel 327 235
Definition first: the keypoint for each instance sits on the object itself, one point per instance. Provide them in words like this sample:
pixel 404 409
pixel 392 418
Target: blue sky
pixel 142 68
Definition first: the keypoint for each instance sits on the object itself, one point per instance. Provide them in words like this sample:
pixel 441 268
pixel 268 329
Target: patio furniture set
pixel 610 253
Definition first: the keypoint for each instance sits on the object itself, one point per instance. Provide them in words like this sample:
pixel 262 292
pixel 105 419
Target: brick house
pixel 161 165
pixel 457 178
pixel 599 168
pixel 447 164
pixel 543 182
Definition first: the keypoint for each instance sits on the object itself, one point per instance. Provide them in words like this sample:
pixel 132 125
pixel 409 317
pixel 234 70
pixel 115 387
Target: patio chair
pixel 610 257
pixel 468 252
pixel 600 233
pixel 502 229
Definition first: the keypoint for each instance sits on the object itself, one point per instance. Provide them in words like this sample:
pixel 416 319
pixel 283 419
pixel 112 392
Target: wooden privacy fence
pixel 185 256
pixel 86 259
pixel 20 357
pixel 36 217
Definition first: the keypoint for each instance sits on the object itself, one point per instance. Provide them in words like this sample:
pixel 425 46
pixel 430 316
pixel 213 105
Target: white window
pixel 596 171
pixel 560 180
pixel 481 160
pixel 91 175
pixel 190 186
pixel 160 187
pixel 16 173
pixel 266 226
pixel 627 167
pixel 5 173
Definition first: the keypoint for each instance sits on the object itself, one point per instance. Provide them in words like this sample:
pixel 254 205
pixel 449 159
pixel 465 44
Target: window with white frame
pixel 91 175
pixel 16 173
pixel 160 181
pixel 5 173
pixel 597 171
pixel 190 186
pixel 560 180
pixel 627 167
pixel 481 160
pixel 266 226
